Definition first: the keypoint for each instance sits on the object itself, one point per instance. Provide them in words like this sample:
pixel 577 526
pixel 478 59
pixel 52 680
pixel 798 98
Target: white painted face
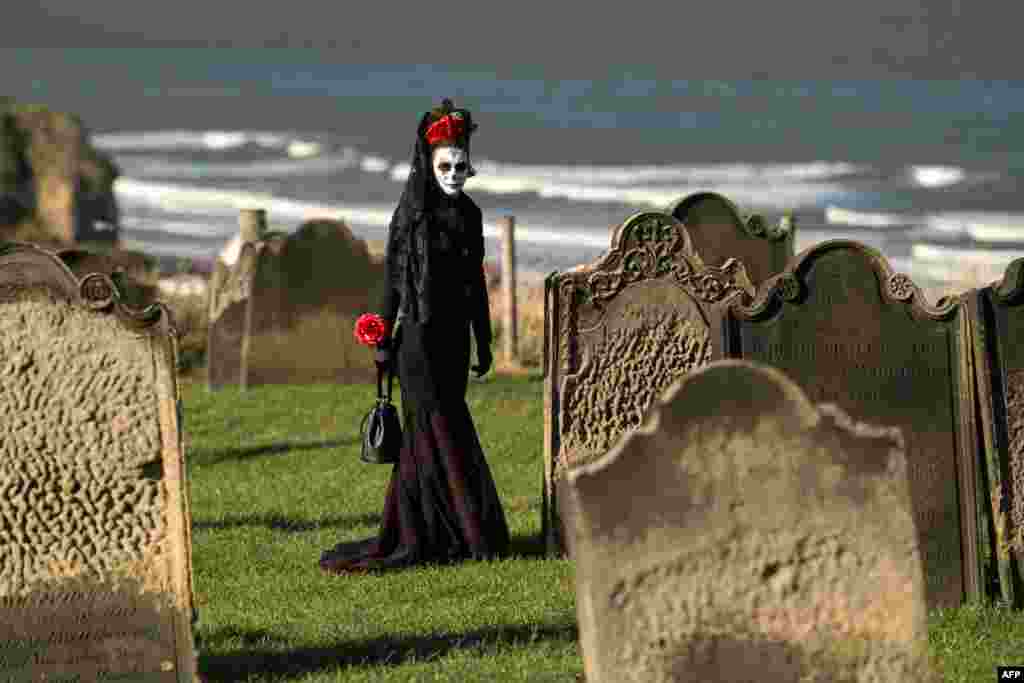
pixel 451 168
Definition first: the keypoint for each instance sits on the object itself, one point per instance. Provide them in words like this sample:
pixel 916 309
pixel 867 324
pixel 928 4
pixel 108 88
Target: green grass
pixel 275 479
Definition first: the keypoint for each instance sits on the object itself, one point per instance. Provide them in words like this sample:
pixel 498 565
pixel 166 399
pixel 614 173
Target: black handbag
pixel 381 431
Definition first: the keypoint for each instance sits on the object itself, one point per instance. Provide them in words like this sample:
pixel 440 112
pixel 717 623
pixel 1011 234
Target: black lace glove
pixel 484 361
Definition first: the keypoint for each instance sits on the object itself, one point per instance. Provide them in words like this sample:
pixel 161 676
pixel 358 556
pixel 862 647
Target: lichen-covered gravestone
pixel 997 317
pixel 95 552
pixel 617 333
pixel 719 232
pixel 849 330
pixel 744 534
pixel 285 311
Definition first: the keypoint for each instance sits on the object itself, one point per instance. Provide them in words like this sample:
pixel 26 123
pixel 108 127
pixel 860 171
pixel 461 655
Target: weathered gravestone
pixel 849 330
pixel 288 308
pixel 997 322
pixel 95 552
pixel 617 333
pixel 719 232
pixel 743 534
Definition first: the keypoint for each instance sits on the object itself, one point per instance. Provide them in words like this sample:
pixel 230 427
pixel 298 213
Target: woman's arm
pixel 392 298
pixel 479 301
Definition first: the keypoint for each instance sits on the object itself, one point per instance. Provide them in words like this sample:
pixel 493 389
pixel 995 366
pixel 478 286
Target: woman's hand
pixel 385 356
pixel 483 355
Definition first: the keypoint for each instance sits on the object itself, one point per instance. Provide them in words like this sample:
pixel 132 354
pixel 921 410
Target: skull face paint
pixel 451 168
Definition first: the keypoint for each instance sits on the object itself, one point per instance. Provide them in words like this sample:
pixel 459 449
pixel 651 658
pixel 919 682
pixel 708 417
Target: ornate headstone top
pixel 26 267
pixel 719 231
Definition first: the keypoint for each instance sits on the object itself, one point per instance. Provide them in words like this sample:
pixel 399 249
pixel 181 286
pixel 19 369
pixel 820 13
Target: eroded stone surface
pixel 842 335
pixel 623 328
pixel 92 568
pixel 750 537
pixel 1015 429
pixel 626 373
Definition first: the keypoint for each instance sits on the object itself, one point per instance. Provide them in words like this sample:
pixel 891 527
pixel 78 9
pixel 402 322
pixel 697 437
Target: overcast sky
pixel 709 39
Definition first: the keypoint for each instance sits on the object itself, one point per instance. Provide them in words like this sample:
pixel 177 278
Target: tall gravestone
pixel 997 317
pixel 95 550
pixel 230 303
pixel 744 534
pixel 618 332
pixel 850 331
pixel 719 232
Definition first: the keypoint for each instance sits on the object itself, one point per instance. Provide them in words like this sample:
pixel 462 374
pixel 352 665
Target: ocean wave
pixel 156 167
pixel 212 140
pixel 209 202
pixel 937 176
pixel 835 215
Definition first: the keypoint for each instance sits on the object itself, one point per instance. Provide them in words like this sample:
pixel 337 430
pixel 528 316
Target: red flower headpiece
pixel 371 329
pixel 447 130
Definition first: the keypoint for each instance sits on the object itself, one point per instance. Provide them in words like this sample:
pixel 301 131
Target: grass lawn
pixel 275 479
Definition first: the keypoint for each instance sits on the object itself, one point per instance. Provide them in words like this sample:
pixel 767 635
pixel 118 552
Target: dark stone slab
pixel 743 534
pixel 95 550
pixel 284 313
pixel 617 333
pixel 997 317
pixel 719 232
pixel 850 331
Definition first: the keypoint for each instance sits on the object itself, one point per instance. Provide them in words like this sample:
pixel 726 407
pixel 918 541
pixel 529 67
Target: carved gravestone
pixel 997 317
pixel 95 551
pixel 285 311
pixel 618 332
pixel 719 232
pixel 749 536
pixel 849 330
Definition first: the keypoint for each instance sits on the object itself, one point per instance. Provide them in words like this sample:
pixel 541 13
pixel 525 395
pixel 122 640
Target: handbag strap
pixel 380 378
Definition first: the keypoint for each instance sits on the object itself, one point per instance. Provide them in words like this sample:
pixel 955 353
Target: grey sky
pixel 716 38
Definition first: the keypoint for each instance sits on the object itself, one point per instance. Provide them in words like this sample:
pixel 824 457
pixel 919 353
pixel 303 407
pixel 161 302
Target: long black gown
pixel 442 504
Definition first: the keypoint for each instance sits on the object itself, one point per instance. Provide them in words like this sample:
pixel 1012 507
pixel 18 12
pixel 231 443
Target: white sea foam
pixel 155 167
pixel 771 194
pixel 374 164
pixel 184 140
pixel 835 215
pixel 983 226
pixel 937 176
pixel 186 199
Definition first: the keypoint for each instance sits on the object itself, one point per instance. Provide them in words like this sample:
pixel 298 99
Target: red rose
pixel 371 329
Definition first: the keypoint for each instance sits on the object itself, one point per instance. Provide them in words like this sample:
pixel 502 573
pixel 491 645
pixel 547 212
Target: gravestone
pixel 719 232
pixel 626 326
pixel 309 289
pixel 95 551
pixel 749 536
pixel 997 321
pixel 849 330
pixel 284 312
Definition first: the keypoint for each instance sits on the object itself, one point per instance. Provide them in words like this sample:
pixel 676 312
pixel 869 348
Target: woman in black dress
pixel 441 504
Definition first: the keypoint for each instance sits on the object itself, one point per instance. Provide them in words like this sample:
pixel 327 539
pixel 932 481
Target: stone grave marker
pixel 745 534
pixel 617 333
pixel 849 330
pixel 285 311
pixel 997 322
pixel 719 232
pixel 95 551
pixel 229 309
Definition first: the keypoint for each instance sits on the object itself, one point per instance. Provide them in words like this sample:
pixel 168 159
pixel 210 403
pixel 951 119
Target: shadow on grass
pixel 261 658
pixel 283 523
pixel 246 452
pixel 531 546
